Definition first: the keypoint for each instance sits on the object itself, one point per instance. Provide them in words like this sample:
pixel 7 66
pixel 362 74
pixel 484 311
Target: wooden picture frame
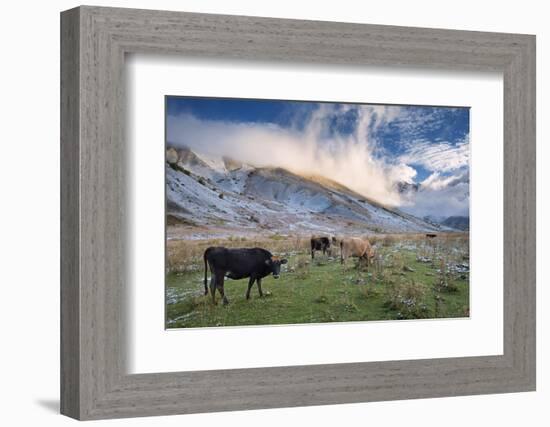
pixel 94 382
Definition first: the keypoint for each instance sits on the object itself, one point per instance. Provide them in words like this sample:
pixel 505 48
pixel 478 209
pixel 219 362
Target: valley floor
pixel 412 278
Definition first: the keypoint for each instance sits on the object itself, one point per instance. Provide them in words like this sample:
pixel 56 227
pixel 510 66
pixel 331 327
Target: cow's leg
pixel 250 283
pixel 213 280
pixel 205 275
pixel 259 282
pixel 221 291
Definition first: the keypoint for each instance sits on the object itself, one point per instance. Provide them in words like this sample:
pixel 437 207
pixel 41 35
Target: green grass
pixel 321 291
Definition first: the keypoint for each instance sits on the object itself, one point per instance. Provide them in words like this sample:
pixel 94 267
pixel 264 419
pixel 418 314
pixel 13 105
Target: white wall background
pixel 29 212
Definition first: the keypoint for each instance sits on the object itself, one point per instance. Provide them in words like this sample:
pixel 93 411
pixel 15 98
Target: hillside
pixel 457 222
pixel 222 196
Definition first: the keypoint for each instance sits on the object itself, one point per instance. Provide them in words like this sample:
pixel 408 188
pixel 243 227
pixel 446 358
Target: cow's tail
pixel 342 251
pixel 205 272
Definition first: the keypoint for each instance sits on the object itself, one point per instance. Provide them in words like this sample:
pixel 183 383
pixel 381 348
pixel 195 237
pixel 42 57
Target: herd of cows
pixel 257 263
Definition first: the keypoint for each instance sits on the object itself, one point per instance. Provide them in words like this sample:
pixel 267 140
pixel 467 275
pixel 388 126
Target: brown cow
pixel 322 243
pixel 356 247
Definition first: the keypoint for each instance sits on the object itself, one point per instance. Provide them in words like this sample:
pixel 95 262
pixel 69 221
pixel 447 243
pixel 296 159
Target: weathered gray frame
pixel 94 41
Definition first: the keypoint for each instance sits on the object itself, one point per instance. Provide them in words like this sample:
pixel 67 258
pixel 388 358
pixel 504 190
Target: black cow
pixel 254 263
pixel 321 244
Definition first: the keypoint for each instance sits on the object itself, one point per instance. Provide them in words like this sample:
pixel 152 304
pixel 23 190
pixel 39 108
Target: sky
pixel 372 149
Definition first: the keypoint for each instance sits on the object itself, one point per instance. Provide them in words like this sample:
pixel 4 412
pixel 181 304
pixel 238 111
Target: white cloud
pixel 440 156
pixel 347 159
pixel 402 173
pixel 444 202
pixel 437 182
pixel 351 159
pixel 441 196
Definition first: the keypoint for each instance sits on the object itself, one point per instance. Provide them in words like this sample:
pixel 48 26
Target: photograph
pixel 292 212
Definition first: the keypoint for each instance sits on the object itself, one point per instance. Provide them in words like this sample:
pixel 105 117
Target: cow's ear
pixel 284 261
pixel 267 261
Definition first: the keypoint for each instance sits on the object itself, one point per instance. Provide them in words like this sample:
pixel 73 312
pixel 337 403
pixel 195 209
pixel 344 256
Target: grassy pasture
pixel 411 278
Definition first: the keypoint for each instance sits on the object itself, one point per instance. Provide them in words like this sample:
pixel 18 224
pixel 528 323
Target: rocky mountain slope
pixel 212 193
pixel 457 222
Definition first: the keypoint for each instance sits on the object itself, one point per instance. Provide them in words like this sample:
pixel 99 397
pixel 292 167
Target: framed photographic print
pixel 283 213
pixel 255 189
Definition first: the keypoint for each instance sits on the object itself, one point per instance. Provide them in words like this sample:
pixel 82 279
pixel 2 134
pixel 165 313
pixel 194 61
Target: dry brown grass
pixel 388 239
pixel 183 255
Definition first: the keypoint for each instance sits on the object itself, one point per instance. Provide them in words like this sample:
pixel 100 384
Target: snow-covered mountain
pixel 219 193
pixel 457 222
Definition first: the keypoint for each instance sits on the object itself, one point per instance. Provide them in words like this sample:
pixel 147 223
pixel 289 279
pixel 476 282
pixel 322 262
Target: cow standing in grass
pixel 252 263
pixel 356 247
pixel 321 243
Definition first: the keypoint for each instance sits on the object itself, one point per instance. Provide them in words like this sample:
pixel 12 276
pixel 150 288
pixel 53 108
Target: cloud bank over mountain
pixel 371 149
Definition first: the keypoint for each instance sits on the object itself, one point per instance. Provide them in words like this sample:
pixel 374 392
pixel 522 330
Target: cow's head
pixel 371 254
pixel 274 263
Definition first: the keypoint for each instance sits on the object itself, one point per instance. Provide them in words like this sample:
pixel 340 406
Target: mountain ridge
pixel 457 222
pixel 222 193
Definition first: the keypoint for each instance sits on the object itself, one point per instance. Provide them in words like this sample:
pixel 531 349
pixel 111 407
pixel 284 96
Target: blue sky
pixel 367 147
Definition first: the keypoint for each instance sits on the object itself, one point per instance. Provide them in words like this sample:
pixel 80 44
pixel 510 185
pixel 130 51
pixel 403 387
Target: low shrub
pixel 443 282
pixel 406 299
